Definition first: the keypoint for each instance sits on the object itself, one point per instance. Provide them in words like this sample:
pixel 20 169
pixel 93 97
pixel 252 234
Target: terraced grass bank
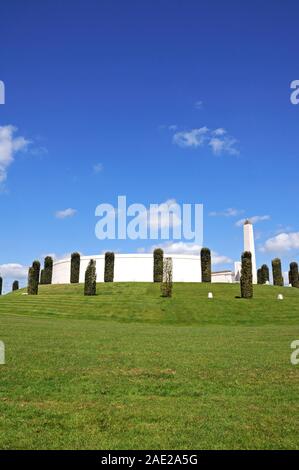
pixel 127 369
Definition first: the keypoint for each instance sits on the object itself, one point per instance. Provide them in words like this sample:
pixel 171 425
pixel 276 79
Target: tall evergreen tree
pixel 246 276
pixel 75 268
pixel 265 274
pixel 158 265
pixel 90 286
pixel 48 270
pixel 109 267
pixel 294 275
pixel 33 278
pixel 42 277
pixel 277 272
pixel 206 265
pixel 15 285
pixel 1 284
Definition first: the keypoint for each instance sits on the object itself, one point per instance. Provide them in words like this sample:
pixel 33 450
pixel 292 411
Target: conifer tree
pixel 109 267
pixel 75 268
pixel 158 265
pixel 277 272
pixel 90 286
pixel 206 267
pixel 246 276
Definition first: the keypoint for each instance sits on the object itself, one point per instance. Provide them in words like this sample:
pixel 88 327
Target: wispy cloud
pixel 10 145
pixel 230 212
pixel 218 140
pixel 282 243
pixel 97 168
pixel 63 214
pixel 254 219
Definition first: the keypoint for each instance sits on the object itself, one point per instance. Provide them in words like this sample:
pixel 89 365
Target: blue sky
pixel 184 100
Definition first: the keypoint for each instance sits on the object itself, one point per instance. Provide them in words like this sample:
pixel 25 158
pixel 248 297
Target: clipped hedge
pixel 206 265
pixel 246 276
pixel 277 272
pixel 75 268
pixel 90 285
pixel 1 284
pixel 15 285
pixel 259 276
pixel 109 267
pixel 158 265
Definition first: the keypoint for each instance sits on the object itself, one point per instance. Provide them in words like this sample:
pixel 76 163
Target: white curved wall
pixel 131 268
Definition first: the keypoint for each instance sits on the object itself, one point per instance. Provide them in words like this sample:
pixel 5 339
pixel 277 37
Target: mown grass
pixel 127 369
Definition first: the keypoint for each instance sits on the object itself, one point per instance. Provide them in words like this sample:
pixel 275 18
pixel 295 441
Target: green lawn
pixel 128 369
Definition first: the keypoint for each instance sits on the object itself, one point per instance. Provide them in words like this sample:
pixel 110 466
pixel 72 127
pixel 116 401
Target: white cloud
pixel 282 242
pixel 230 212
pixel 9 147
pixel 179 248
pixel 13 270
pixel 220 259
pixel 218 140
pixel 254 220
pixel 63 214
pixel 97 168
pixel 198 104
pixel 190 249
pixel 219 131
pixel 224 144
pixel 194 138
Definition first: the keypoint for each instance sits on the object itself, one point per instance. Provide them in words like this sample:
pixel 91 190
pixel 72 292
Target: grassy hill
pixel 129 369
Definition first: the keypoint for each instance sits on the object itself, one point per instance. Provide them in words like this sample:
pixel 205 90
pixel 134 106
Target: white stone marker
pixel 210 295
pixel 249 246
pixel 280 297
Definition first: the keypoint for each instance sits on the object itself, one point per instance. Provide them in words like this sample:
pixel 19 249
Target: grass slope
pixel 128 369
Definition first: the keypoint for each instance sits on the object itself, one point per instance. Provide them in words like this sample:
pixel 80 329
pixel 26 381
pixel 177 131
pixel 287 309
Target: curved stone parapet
pixel 131 268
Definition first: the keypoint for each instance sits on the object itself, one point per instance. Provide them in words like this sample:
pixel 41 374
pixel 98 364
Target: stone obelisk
pixel 249 246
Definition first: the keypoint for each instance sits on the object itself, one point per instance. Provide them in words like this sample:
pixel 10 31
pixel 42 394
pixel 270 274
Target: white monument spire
pixel 249 246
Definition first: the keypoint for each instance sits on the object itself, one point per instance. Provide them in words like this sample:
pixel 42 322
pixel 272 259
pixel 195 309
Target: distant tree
pixel 1 284
pixel 206 268
pixel 166 284
pixel 90 286
pixel 259 276
pixel 277 272
pixel 294 275
pixel 15 285
pixel 265 274
pixel 109 267
pixel 48 270
pixel 158 265
pixel 75 268
pixel 246 276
